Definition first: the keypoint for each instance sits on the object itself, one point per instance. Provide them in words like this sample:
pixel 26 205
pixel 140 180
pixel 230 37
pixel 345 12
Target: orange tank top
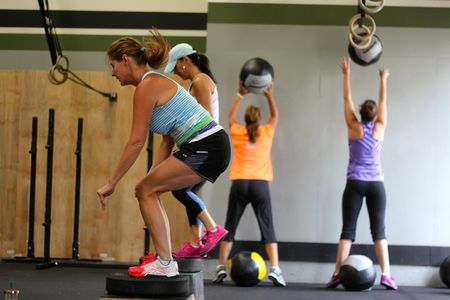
pixel 251 161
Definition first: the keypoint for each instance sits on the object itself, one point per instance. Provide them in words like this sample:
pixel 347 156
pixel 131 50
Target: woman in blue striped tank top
pixel 364 176
pixel 162 105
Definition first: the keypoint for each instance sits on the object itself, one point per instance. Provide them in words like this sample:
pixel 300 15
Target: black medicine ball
pixel 256 75
pixel 444 271
pixel 369 55
pixel 247 268
pixel 357 273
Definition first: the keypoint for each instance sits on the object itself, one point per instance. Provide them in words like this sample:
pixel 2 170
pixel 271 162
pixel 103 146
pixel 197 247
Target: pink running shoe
pixel 212 239
pixel 388 282
pixel 155 268
pixel 136 271
pixel 334 281
pixel 187 250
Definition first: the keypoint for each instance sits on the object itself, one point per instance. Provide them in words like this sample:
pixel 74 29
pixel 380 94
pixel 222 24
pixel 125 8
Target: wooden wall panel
pixel 118 231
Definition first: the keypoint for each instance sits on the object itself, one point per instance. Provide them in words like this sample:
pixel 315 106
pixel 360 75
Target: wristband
pixel 239 95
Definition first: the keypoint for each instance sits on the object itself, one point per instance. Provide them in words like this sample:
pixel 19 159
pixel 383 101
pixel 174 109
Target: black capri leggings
pixel 194 205
pixel 375 194
pixel 257 193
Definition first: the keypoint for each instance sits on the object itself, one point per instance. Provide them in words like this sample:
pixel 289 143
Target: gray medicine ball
pixel 369 55
pixel 256 75
pixel 444 271
pixel 357 273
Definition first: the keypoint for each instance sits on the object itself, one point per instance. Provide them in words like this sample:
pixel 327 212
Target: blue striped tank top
pixel 181 117
pixel 364 163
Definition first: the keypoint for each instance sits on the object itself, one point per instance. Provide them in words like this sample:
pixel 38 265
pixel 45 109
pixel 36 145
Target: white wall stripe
pixel 196 6
pixel 193 6
pixel 121 32
pixel 402 3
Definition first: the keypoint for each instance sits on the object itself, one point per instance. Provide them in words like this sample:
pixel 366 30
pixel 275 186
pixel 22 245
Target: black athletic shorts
pixel 208 157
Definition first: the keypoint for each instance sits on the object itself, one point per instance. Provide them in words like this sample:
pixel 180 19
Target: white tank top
pixel 214 99
pixel 215 105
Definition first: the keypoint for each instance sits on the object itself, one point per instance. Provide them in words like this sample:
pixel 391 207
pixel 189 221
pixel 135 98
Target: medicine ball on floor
pixel 357 273
pixel 369 55
pixel 256 75
pixel 247 268
pixel 444 271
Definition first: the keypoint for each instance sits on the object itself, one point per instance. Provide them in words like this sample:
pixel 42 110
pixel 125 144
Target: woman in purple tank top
pixel 364 176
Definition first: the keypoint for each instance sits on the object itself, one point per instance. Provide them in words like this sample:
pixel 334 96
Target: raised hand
pixel 384 73
pixel 345 65
pixel 268 91
pixel 241 88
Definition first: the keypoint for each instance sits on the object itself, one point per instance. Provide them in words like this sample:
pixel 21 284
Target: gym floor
pixel 73 283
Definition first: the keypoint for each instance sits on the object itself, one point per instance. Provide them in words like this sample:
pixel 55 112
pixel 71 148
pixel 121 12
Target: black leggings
pixel 375 194
pixel 194 205
pixel 255 192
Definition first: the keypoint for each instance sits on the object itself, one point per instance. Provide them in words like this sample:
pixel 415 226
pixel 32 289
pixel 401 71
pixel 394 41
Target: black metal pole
pixel 47 23
pixel 362 12
pixel 33 152
pixel 149 165
pixel 76 218
pixel 48 189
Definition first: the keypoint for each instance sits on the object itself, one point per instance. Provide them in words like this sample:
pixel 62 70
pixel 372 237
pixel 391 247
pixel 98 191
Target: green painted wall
pixel 293 14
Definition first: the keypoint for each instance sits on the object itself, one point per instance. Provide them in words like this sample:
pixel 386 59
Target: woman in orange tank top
pixel 251 172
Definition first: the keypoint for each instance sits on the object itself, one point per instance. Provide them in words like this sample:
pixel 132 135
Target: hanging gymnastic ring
pixel 364 43
pixel 371 9
pixel 62 67
pixel 370 31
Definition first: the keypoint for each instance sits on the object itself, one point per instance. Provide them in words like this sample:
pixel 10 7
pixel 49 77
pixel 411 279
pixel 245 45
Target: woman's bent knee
pixel 144 191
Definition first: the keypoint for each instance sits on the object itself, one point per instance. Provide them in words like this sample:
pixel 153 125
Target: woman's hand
pixel 104 192
pixel 384 73
pixel 268 92
pixel 345 65
pixel 241 88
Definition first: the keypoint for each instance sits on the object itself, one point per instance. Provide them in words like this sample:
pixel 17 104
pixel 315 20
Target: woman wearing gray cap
pixel 190 65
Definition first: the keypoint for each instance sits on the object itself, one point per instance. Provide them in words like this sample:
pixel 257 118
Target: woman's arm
pixel 272 106
pixel 349 110
pixel 235 105
pixel 201 90
pixel 381 120
pixel 142 111
pixel 143 104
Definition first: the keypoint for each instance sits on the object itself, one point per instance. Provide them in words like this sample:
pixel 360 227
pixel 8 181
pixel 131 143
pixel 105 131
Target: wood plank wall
pixel 118 231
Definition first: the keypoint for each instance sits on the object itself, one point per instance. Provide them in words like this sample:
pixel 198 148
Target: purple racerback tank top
pixel 364 163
